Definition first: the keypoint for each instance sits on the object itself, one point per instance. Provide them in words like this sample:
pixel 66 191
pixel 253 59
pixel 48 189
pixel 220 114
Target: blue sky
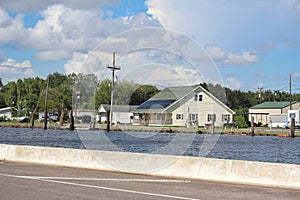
pixel 251 43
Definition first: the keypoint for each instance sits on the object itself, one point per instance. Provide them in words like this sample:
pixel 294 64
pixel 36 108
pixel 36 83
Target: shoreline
pixel 259 131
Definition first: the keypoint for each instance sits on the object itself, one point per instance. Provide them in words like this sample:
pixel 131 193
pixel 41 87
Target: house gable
pixel 172 98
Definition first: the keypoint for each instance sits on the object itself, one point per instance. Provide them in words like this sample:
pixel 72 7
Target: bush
pixel 240 121
pixel 2 119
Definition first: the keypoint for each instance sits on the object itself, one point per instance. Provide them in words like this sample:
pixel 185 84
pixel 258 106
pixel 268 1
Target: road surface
pixel 30 181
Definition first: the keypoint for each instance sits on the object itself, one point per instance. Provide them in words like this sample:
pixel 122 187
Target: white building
pixel 261 112
pixel 183 106
pixel 6 113
pixel 121 113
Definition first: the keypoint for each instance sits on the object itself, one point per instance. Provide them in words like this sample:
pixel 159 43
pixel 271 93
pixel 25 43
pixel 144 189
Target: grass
pixel 166 129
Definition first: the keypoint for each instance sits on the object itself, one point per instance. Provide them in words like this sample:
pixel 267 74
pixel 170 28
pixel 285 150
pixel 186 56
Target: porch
pixel 153 119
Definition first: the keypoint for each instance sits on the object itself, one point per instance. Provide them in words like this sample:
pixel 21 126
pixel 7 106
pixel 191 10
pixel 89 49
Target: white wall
pixel 238 171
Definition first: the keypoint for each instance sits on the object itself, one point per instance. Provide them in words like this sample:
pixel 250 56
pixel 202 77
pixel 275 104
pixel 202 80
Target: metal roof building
pixel 262 111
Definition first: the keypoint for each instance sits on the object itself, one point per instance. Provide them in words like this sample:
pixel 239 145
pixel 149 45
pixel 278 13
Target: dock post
pixel 292 127
pixel 213 123
pixel 108 121
pixel 72 126
pixel 252 126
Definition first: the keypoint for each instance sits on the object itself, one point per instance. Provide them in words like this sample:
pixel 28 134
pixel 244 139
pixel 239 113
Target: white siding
pixel 202 108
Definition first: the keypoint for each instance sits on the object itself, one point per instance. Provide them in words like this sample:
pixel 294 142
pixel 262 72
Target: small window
pixel 179 116
pixel 200 97
pixel 196 98
pixel 226 118
pixel 211 117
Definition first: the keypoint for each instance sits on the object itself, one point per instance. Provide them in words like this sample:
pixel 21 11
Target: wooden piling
pixel 292 128
pixel 252 126
pixel 108 121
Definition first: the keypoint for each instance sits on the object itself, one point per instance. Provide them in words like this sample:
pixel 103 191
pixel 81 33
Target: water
pixel 259 148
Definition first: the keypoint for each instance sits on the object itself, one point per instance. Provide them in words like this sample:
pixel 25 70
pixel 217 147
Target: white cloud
pixel 233 24
pixel 233 83
pixel 33 5
pixel 215 52
pixel 11 70
pixel 66 29
pixel 53 55
pixel 75 64
pixel 222 57
pixel 4 18
pixel 14 64
pixel 245 58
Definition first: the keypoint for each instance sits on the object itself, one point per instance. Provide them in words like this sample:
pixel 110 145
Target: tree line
pixel 79 91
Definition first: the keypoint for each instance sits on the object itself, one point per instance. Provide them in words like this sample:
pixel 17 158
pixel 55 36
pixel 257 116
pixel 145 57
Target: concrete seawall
pixel 247 172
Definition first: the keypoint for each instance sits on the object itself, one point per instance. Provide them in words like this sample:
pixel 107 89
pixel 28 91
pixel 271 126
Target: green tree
pixel 103 92
pixel 123 92
pixel 10 94
pixel 142 94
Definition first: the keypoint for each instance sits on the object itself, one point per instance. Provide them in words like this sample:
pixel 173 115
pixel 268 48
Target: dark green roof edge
pixel 273 105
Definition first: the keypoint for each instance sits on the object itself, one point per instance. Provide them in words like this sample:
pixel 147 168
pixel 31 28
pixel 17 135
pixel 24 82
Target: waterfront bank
pixel 259 131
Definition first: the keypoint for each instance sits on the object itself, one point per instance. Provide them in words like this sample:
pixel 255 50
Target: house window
pixel 226 118
pixel 179 116
pixel 193 117
pixel 211 117
pixel 198 97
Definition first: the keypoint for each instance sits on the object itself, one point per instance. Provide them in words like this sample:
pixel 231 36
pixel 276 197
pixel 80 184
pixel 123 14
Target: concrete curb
pixel 237 171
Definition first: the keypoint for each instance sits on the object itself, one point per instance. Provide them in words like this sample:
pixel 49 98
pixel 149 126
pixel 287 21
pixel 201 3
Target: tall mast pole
pixel 291 97
pixel 113 69
pixel 45 106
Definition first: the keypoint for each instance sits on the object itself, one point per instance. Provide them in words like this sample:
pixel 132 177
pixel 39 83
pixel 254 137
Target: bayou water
pixel 258 148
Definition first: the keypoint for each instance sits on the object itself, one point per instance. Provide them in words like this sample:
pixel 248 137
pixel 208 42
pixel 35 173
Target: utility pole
pixel 260 93
pixel 45 106
pixel 113 69
pixel 291 97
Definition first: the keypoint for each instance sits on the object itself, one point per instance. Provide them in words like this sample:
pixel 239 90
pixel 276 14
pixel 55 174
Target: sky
pixel 239 44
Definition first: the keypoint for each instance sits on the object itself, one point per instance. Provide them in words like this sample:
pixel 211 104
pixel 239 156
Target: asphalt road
pixel 31 181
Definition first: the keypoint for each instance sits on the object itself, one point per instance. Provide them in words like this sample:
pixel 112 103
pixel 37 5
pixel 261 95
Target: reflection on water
pixel 259 148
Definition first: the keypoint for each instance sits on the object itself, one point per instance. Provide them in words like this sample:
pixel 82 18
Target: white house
pixel 120 113
pixel 6 113
pixel 183 106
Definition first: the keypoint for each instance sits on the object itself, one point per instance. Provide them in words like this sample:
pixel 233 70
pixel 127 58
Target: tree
pixel 10 94
pixel 123 92
pixel 103 92
pixel 142 94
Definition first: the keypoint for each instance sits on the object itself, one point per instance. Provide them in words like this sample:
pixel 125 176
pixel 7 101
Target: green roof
pixel 173 93
pixel 273 105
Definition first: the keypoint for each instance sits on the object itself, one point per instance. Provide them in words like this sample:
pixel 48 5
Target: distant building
pixel 6 113
pixel 262 112
pixel 85 115
pixel 183 106
pixel 121 113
